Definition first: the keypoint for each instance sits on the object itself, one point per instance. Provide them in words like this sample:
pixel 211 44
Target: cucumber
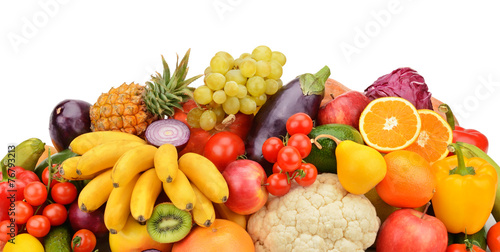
pixel 324 159
pixel 25 154
pixel 58 239
pixel 57 158
pixel 478 239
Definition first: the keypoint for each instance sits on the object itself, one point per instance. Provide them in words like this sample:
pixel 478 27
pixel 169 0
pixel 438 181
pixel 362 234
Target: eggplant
pixel 69 119
pixel 302 94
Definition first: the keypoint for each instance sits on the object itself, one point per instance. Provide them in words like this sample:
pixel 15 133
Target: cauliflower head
pixel 320 217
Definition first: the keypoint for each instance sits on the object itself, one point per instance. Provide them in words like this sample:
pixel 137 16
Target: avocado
pixel 324 158
pixel 58 239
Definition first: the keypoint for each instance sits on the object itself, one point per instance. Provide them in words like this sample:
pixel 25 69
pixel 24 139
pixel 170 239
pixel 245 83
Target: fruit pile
pixel 246 161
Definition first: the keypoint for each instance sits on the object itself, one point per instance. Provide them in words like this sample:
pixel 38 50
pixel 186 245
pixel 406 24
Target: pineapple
pixel 132 107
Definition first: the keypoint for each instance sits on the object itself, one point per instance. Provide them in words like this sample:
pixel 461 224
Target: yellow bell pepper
pixel 465 192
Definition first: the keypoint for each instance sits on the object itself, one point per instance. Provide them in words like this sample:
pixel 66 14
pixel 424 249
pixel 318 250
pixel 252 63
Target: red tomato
pixel 56 213
pixel 64 193
pixel 15 171
pixel 299 123
pixel 28 176
pixel 83 241
pixel 7 230
pixel 289 159
pixel 38 226
pixel 276 168
pixel 23 211
pixel 462 248
pixel 224 148
pixel 310 174
pixel 493 237
pixel 270 149
pixel 302 142
pixel 35 193
pixel 278 184
pixel 55 176
pixel 16 187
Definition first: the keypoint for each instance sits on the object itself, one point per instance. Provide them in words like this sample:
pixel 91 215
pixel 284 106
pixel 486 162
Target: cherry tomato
pixel 16 187
pixel 56 213
pixel 7 230
pixel 463 248
pixel 310 174
pixel 83 241
pixel 38 226
pixel 15 171
pixel 270 149
pixel 278 184
pixel 224 148
pixel 493 237
pixel 35 193
pixel 28 176
pixel 302 142
pixel 276 168
pixel 289 159
pixel 23 211
pixel 64 193
pixel 55 176
pixel 299 123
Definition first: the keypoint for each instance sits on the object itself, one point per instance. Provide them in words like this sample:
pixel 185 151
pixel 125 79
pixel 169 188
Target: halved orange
pixel 389 123
pixel 434 137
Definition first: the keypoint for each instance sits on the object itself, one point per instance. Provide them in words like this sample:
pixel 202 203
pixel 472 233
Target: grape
pixel 245 55
pixel 276 70
pixel 280 83
pixel 231 88
pixel 262 53
pixel 219 113
pixel 219 64
pixel 256 86
pixel 242 91
pixel 248 67
pixel 215 81
pixel 247 105
pixel 208 120
pixel 272 86
pixel 260 100
pixel 219 96
pixel 263 68
pixel 280 57
pixel 228 57
pixel 208 70
pixel 202 95
pixel 235 75
pixel 193 117
pixel 232 105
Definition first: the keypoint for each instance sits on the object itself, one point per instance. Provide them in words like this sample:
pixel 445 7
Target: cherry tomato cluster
pixel 30 208
pixel 288 156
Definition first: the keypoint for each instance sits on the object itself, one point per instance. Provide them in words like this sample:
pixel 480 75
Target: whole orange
pixel 409 182
pixel 223 235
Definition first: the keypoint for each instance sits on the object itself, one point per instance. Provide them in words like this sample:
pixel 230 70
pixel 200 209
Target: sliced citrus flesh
pixel 434 137
pixel 389 123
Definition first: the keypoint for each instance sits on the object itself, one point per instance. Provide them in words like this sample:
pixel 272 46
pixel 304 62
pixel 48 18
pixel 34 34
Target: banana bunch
pixel 129 175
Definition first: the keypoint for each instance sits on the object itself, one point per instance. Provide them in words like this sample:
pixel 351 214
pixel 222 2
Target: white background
pixel 54 50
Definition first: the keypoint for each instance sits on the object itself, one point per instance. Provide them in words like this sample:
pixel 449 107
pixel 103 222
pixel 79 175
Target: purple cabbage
pixel 402 82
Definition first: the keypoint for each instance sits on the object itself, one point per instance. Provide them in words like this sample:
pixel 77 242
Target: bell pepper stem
pixel 5 176
pixel 461 169
pixel 449 114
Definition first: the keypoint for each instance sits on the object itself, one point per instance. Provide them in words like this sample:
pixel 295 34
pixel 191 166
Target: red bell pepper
pixel 460 134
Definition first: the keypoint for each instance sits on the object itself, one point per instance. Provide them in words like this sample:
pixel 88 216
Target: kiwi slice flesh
pixel 168 223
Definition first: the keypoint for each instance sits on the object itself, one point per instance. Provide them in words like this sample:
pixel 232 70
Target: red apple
pixel 344 109
pixel 411 230
pixel 247 193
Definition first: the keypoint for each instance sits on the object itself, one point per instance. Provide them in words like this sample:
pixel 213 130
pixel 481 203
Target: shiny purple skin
pixel 93 221
pixel 271 119
pixel 402 82
pixel 69 119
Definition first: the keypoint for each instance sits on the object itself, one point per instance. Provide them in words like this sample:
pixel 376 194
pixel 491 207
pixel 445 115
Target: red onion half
pixel 170 131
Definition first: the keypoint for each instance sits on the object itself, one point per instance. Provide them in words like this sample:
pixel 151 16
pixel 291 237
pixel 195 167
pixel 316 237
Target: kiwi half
pixel 168 223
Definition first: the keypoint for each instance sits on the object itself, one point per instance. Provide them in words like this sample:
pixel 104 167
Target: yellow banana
pixel 118 206
pixel 166 163
pixel 203 211
pixel 68 169
pixel 84 142
pixel 103 156
pixel 96 192
pixel 131 163
pixel 226 213
pixel 205 175
pixel 180 192
pixel 146 190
